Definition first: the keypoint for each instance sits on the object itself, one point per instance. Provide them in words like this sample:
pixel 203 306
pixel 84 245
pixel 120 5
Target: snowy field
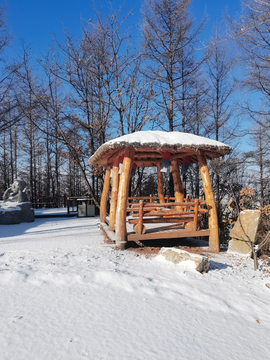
pixel 66 295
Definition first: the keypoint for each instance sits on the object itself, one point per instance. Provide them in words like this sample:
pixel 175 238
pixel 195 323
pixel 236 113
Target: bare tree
pixel 197 113
pixel 128 92
pixel 222 86
pixel 26 100
pixel 65 127
pixel 81 66
pixel 8 115
pixel 221 106
pixel 169 37
pixel 251 30
pixel 258 159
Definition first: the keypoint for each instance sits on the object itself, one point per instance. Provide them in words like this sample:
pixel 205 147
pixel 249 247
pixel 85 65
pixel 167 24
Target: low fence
pixel 57 202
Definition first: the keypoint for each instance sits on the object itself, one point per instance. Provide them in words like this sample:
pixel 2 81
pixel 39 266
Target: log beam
pixel 121 209
pixel 210 202
pixel 178 188
pixel 148 163
pixel 105 193
pixel 114 193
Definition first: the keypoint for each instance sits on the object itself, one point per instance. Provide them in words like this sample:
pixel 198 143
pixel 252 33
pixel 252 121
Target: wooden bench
pixel 188 213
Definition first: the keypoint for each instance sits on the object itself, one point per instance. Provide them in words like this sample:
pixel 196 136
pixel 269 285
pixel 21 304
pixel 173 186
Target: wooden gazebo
pixel 147 149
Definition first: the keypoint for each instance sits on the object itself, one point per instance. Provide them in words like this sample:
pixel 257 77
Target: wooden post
pixel 105 193
pixel 179 195
pixel 140 228
pixel 185 200
pixel 114 193
pixel 160 184
pixel 196 208
pixel 121 209
pixel 210 202
pixel 68 204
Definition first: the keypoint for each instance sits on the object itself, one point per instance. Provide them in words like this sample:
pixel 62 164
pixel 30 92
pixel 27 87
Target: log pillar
pixel 121 209
pixel 179 194
pixel 210 202
pixel 114 193
pixel 140 228
pixel 105 193
pixel 160 184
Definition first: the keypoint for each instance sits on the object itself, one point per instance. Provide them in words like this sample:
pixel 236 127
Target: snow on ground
pixel 55 211
pixel 66 295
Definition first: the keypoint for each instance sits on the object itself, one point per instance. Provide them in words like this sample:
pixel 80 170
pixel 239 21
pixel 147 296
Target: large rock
pixel 177 256
pixel 246 225
pixel 244 231
pixel 15 213
pixel 240 247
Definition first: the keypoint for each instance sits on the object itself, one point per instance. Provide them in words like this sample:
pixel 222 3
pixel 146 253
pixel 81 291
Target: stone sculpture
pixel 15 207
pixel 16 193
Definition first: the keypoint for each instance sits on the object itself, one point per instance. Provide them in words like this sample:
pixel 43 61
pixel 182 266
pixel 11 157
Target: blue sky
pixel 36 20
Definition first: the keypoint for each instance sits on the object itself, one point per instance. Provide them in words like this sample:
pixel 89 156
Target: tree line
pixel 56 110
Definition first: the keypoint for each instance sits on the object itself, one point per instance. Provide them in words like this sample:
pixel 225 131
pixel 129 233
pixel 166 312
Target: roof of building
pixel 150 145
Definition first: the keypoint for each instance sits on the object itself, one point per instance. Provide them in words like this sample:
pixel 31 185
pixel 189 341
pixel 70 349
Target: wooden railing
pixel 185 212
pixel 138 198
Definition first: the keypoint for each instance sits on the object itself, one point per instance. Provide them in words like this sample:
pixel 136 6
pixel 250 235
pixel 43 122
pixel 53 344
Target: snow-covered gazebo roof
pixel 150 145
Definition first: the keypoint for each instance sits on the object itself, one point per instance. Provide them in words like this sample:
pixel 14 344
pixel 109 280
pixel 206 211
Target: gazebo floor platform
pixel 169 233
pixel 156 231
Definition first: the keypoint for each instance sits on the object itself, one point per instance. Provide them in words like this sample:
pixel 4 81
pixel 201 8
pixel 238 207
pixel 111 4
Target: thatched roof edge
pixel 219 150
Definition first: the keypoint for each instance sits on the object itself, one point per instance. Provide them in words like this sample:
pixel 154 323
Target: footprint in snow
pixel 16 318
